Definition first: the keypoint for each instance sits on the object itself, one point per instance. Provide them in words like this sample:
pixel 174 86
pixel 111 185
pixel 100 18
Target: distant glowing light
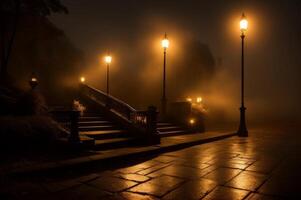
pixel 189 99
pixel 165 42
pixel 82 79
pixel 191 121
pixel 243 23
pixel 199 99
pixel 33 81
pixel 108 59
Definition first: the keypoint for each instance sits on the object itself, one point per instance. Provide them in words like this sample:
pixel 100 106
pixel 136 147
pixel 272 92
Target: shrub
pixel 31 132
pixel 31 103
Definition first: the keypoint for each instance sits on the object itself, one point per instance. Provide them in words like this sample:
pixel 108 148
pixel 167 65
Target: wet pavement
pixel 264 166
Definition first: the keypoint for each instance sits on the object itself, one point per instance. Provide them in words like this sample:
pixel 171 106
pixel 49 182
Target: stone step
pixel 169 128
pixel 92 114
pixel 96 128
pixel 162 124
pixel 174 133
pixel 105 134
pixel 94 123
pixel 95 118
pixel 106 144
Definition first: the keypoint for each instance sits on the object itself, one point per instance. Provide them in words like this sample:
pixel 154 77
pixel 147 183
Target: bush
pixel 27 133
pixel 31 103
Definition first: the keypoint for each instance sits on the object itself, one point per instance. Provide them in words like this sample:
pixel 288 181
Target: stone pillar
pixel 152 125
pixel 74 134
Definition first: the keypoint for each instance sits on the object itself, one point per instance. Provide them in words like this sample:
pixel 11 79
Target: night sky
pixel 131 30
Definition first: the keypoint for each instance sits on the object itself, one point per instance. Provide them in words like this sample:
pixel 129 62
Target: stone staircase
pixel 166 129
pixel 106 134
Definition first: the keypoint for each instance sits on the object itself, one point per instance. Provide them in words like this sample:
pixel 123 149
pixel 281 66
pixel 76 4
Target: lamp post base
pixel 242 131
pixel 163 107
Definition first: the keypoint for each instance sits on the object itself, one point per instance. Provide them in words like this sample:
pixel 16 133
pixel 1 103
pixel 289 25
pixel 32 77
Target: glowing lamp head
pixel 108 59
pixel 188 99
pixel 33 81
pixel 191 121
pixel 165 42
pixel 82 79
pixel 199 100
pixel 243 24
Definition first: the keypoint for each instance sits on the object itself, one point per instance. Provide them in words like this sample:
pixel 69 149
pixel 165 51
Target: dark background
pixel 204 54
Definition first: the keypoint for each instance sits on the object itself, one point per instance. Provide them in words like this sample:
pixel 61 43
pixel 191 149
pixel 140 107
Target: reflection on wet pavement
pixel 263 166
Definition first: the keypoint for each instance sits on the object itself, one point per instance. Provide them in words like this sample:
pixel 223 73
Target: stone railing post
pixel 152 124
pixel 74 134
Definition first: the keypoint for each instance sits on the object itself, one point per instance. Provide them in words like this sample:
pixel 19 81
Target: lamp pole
pixel 108 60
pixel 165 45
pixel 242 131
pixel 108 79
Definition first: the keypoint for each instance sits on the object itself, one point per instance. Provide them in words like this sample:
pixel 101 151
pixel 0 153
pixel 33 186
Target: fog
pixel 204 54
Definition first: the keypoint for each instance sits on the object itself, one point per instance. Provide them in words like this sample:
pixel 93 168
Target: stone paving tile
pixel 225 193
pixel 55 186
pixel 133 177
pixel 193 189
pixel 282 185
pixel 183 172
pixel 196 157
pixel 157 186
pixel 112 184
pixel 135 196
pixel 21 190
pixel 164 159
pixel 233 165
pixel 139 167
pixel 264 166
pixel 256 196
pixel 247 181
pixel 194 164
pixel 87 178
pixel 81 192
pixel 179 171
pixel 230 160
pixel 222 175
pixel 152 169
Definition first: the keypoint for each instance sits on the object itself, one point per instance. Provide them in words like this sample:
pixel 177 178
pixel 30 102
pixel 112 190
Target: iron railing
pixel 140 121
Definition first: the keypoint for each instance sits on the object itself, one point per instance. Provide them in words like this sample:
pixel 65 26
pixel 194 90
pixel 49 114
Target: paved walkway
pixel 59 161
pixel 264 166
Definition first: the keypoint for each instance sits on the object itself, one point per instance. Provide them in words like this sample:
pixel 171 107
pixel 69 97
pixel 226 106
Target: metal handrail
pixel 141 121
pixel 111 102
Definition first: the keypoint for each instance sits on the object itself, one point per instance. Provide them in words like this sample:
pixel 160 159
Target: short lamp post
pixel 165 45
pixel 33 81
pixel 242 131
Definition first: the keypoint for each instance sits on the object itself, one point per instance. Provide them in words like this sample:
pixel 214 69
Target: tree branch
pixel 11 41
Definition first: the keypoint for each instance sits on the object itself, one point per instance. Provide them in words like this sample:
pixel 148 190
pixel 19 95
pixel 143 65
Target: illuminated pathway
pixel 264 166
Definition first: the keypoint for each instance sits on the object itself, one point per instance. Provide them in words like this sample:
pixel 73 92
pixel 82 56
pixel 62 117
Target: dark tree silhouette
pixel 10 13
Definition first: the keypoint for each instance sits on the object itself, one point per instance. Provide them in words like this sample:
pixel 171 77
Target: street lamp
pixel 108 60
pixel 165 45
pixel 242 131
pixel 33 81
pixel 82 79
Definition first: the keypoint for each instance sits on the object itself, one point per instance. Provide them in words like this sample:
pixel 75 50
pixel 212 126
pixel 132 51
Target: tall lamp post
pixel 165 45
pixel 242 131
pixel 108 60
